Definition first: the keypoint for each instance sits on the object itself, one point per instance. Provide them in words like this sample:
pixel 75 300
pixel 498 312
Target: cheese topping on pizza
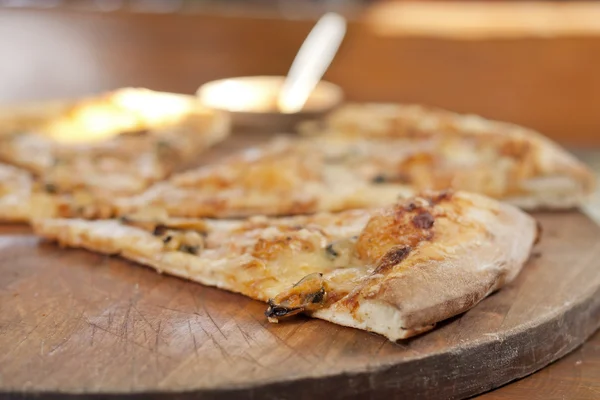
pixel 369 156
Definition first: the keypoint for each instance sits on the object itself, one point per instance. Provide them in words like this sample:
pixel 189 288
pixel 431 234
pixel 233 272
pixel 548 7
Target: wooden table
pixel 577 376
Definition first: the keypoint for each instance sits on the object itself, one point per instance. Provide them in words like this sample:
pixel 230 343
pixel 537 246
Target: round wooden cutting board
pixel 77 323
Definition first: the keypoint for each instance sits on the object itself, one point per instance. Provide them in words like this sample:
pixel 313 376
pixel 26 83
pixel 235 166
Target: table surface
pixel 576 376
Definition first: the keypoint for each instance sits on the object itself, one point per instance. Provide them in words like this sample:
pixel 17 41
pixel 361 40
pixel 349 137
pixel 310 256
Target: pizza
pixel 15 193
pixel 467 152
pixel 395 270
pixel 365 156
pixel 115 144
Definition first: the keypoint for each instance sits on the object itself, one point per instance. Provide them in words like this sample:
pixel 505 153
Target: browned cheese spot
pixel 439 197
pixel 404 225
pixel 393 257
pixel 423 220
pixel 270 249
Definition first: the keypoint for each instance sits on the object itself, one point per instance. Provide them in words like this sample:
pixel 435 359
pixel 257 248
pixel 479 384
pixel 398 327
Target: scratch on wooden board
pixel 123 329
pixel 332 345
pixel 156 352
pixel 118 336
pixel 245 335
pixel 278 339
pixel 144 318
pixel 250 358
pixel 173 309
pixel 213 321
pixel 507 312
pixel 193 338
pixel 93 334
pixel 157 336
pixel 20 342
pixel 532 348
pixel 296 328
pixel 61 344
pixel 223 352
pixel 381 346
pixel 196 305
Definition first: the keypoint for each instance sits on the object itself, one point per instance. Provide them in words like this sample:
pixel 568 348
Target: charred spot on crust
pixel 379 179
pixel 318 297
pixel 275 311
pixel 538 232
pixel 163 145
pixel 50 188
pixel 410 206
pixel 167 239
pixel 440 196
pixel 159 230
pixel 164 148
pixel 139 132
pixel 423 220
pixel 186 248
pixel 331 251
pixel 59 161
pixel 393 257
pixel 396 178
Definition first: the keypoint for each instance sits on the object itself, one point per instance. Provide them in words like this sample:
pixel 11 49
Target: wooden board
pixel 80 323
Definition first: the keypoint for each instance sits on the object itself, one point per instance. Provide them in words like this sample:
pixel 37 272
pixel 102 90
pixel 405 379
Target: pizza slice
pixel 396 270
pixel 15 193
pixel 115 144
pixel 466 152
pixel 369 155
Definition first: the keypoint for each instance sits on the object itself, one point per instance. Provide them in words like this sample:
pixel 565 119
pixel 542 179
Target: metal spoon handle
pixel 311 62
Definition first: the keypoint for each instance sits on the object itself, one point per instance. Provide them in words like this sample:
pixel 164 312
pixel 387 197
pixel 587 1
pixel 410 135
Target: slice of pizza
pixel 467 152
pixel 396 270
pixel 368 155
pixel 115 144
pixel 16 186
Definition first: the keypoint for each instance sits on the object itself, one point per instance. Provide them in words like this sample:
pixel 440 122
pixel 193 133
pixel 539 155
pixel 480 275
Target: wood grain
pixel 80 323
pixel 548 83
pixel 574 377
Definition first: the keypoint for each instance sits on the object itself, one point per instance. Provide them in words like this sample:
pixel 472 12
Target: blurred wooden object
pixel 485 19
pixel 549 83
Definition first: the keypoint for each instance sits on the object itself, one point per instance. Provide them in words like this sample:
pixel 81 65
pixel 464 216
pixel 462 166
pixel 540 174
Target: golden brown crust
pixel 477 247
pixel 395 271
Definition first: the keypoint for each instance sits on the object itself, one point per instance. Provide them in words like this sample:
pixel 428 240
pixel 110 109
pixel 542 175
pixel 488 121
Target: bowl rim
pixel 337 95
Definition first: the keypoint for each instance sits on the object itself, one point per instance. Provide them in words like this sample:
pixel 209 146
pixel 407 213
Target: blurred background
pixel 532 63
